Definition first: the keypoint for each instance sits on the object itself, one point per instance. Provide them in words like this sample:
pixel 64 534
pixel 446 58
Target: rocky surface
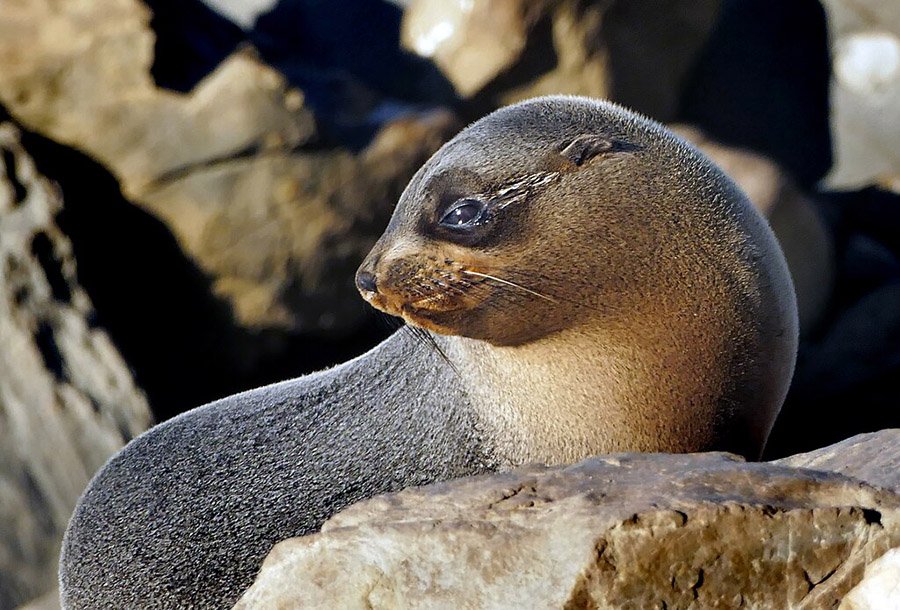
pixel 879 588
pixel 865 93
pixel 633 52
pixel 641 531
pixel 873 458
pixel 278 229
pixel 67 399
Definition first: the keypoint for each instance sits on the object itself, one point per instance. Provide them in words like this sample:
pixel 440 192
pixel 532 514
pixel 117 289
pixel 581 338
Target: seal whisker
pixel 427 339
pixel 562 298
pixel 509 283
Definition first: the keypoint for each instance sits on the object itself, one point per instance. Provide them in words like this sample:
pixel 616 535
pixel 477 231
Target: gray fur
pixel 185 514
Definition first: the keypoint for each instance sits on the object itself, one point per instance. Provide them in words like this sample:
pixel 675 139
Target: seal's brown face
pixel 469 250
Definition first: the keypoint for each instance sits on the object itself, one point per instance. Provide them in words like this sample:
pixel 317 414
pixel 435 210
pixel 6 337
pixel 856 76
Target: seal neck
pixel 648 384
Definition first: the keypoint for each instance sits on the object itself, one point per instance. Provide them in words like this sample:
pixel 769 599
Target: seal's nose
pixel 365 281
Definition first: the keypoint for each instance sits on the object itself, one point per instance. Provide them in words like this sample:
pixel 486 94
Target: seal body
pixel 183 516
pixel 587 282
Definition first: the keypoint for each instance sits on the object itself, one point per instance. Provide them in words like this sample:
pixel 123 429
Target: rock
pixel 49 601
pixel 795 219
pixel 472 42
pixel 241 12
pixel 346 57
pixel 634 52
pixel 67 399
pixel 873 458
pixel 880 587
pixel 278 229
pixel 284 233
pixel 630 530
pixel 865 93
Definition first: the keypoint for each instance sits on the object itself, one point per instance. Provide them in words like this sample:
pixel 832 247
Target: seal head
pixel 568 215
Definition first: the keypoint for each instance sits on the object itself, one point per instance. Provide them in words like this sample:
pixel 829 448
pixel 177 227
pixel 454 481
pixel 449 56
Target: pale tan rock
pixel 79 72
pixel 623 531
pixel 471 41
pixel 636 52
pixel 48 601
pixel 795 219
pixel 880 587
pixel 67 399
pixel 279 232
pixel 873 457
pixel 864 36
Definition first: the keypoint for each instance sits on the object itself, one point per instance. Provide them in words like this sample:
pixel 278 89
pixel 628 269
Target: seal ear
pixel 585 147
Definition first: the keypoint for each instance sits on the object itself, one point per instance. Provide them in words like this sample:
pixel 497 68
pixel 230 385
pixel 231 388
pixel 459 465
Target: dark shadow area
pixel 347 59
pixel 191 41
pixel 345 56
pixel 762 83
pixel 848 374
pixel 179 339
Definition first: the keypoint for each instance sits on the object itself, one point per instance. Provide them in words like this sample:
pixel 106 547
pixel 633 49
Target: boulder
pixel 865 93
pixel 618 531
pixel 276 219
pixel 67 399
pixel 634 52
pixel 880 586
pixel 873 457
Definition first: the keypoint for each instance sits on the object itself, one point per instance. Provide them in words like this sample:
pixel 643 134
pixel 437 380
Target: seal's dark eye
pixel 464 213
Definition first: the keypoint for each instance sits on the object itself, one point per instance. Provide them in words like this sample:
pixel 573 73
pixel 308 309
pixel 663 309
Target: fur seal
pixel 587 282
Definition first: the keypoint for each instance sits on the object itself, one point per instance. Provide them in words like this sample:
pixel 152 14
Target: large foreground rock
pixel 67 399
pixel 873 458
pixel 624 531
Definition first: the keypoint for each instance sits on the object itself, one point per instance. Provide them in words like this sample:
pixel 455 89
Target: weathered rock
pixel 873 458
pixel 48 601
pixel 278 230
pixel 880 587
pixel 865 93
pixel 282 234
pixel 635 52
pixel 241 12
pixel 794 218
pixel 624 531
pixel 67 400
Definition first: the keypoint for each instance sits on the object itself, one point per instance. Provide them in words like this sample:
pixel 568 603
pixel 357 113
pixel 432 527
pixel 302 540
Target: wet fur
pixel 666 322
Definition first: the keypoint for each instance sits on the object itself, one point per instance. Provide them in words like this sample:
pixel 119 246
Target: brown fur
pixel 624 294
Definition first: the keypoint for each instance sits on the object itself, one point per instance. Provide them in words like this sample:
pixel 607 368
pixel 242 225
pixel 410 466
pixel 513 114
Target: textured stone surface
pixel 625 531
pixel 67 400
pixel 278 229
pixel 873 458
pixel 795 219
pixel 865 93
pixel 634 52
pixel 880 587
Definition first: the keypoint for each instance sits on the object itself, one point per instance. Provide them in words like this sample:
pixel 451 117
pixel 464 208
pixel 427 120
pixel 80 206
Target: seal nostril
pixel 366 281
